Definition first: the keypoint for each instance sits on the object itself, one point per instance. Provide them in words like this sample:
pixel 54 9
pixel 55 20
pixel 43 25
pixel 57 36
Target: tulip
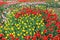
pixel 34 38
pixel 58 31
pixel 17 15
pixel 48 24
pixel 48 20
pixel 45 31
pixel 22 13
pixel 48 16
pixel 12 37
pixel 56 38
pixel 58 24
pixel 38 12
pixel 58 34
pixel 37 34
pixel 51 29
pixel 28 11
pixel 1 35
pixel 2 3
pixel 3 38
pixel 46 12
pixel 34 12
pixel 50 35
pixel 45 37
pixel 27 37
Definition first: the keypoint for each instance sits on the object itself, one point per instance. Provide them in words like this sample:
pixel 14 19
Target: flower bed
pixel 28 23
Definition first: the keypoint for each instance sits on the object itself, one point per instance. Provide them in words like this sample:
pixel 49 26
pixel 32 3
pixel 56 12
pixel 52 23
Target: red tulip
pixel 45 37
pixel 48 16
pixel 51 29
pixel 34 12
pixel 38 11
pixel 58 35
pixel 29 11
pixel 50 35
pixel 22 13
pixel 58 31
pixel 34 38
pixel 46 11
pixel 12 37
pixel 1 35
pixel 56 38
pixel 58 24
pixel 17 15
pixel 2 3
pixel 27 37
pixel 45 31
pixel 48 24
pixel 35 34
pixel 38 34
pixel 48 20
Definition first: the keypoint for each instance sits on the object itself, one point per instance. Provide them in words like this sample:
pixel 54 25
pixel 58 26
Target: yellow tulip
pixel 18 28
pixel 22 36
pixel 12 28
pixel 33 29
pixel 18 34
pixel 38 26
pixel 39 23
pixel 36 23
pixel 7 34
pixel 23 30
pixel 17 25
pixel 41 32
pixel 1 26
pixel 6 37
pixel 30 33
pixel 0 30
pixel 43 23
pixel 14 32
pixel 24 23
pixel 26 32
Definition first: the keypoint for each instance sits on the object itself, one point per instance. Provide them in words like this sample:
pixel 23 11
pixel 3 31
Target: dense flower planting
pixel 30 24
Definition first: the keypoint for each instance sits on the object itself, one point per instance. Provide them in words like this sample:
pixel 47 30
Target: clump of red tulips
pixel 52 30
